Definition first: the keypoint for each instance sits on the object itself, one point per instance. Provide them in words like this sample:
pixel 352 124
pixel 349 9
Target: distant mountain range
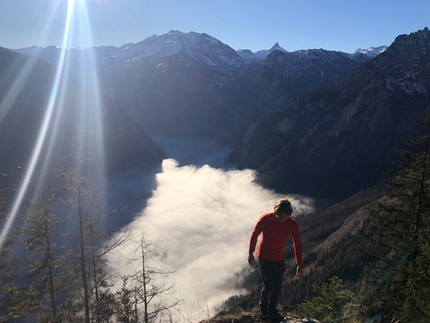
pixel 164 45
pixel 306 120
pixel 190 84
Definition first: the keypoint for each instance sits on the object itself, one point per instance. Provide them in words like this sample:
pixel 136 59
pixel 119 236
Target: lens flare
pixel 88 111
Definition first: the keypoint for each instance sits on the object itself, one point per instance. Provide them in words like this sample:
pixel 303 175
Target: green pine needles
pixel 332 303
pixel 399 281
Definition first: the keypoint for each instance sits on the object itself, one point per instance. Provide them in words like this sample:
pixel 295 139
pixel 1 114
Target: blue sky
pixel 344 25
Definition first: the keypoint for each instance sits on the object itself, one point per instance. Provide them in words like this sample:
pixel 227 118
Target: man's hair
pixel 283 206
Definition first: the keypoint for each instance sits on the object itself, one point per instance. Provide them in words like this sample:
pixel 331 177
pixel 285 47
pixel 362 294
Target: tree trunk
pixel 84 275
pixel 51 278
pixel 145 293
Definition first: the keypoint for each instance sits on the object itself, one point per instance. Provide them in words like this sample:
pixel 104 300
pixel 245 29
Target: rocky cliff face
pixel 334 142
pixel 284 76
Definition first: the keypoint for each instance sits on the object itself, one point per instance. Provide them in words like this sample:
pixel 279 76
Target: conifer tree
pixel 99 244
pixel 45 268
pixel 8 275
pixel 332 303
pixel 83 196
pixel 401 228
pixel 127 303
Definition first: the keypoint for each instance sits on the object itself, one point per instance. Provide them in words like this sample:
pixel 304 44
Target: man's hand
pixel 251 259
pixel 299 271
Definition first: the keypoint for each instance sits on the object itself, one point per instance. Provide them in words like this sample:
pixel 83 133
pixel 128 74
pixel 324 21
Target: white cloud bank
pixel 200 219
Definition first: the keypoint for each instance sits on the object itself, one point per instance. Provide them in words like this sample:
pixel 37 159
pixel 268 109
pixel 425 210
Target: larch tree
pixel 151 287
pixel 84 199
pixel 45 268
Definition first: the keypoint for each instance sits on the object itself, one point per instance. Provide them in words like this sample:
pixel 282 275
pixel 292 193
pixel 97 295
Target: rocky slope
pixel 25 92
pixel 334 142
pixel 283 76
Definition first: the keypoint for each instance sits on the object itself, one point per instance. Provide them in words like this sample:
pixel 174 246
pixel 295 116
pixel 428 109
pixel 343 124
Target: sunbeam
pixel 88 112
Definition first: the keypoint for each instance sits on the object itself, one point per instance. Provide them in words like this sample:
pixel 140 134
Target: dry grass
pixel 249 317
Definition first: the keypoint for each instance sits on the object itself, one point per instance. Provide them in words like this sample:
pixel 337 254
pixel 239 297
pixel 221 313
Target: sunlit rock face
pixel 334 142
pixel 83 121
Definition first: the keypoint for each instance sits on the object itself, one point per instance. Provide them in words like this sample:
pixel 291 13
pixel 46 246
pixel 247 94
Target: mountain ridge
pixel 223 100
pixel 25 100
pixel 191 84
pixel 174 41
pixel 348 131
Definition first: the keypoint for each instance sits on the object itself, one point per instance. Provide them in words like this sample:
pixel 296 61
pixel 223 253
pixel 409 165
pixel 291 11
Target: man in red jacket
pixel 276 227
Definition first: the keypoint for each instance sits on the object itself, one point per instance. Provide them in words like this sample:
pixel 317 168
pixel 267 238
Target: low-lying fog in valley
pixel 198 214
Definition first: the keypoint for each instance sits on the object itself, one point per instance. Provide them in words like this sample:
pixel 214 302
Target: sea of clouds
pixel 199 218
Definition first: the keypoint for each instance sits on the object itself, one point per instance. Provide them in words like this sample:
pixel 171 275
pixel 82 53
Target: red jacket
pixel 275 235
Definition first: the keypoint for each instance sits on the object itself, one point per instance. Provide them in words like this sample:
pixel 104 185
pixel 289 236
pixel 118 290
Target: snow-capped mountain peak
pixel 371 51
pixel 201 47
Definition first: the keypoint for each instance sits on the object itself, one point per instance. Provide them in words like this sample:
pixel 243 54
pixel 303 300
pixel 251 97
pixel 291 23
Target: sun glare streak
pixel 91 128
pixel 88 112
pixel 43 130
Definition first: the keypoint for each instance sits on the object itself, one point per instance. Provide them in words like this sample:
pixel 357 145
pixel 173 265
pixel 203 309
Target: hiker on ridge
pixel 277 227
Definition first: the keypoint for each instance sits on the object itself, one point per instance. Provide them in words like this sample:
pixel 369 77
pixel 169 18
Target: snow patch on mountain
pixel 200 46
pixel 372 51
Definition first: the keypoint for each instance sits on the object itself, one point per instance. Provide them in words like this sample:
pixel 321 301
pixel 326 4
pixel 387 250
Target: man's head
pixel 283 209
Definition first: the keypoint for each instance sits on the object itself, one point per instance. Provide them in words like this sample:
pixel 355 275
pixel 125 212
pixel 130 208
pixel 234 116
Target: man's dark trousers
pixel 272 274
